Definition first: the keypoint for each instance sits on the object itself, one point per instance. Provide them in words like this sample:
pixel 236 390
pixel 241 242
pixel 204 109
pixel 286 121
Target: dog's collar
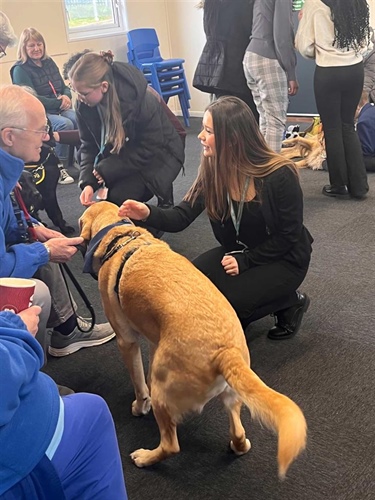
pixel 94 243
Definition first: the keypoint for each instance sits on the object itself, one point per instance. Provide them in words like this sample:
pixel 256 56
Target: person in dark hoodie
pixel 129 145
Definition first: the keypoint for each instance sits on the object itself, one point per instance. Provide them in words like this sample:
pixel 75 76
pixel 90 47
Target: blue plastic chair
pixel 166 76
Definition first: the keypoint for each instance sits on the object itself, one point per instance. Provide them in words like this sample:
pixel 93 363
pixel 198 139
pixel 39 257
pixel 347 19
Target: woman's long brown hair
pixel 241 152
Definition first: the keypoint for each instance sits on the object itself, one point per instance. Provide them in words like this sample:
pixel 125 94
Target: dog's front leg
pixel 131 354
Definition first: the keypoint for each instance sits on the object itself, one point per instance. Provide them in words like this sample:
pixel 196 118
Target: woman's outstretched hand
pixel 86 197
pixel 134 210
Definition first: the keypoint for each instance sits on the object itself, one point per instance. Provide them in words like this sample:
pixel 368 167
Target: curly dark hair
pixel 351 19
pixel 72 60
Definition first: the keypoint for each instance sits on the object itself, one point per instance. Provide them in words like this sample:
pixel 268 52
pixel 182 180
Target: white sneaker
pixel 65 178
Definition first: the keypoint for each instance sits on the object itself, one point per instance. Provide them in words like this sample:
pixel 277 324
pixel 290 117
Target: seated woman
pixel 51 447
pixel 35 69
pixel 254 202
pixel 128 141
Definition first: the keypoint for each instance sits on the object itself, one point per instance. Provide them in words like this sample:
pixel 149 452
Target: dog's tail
pixel 276 411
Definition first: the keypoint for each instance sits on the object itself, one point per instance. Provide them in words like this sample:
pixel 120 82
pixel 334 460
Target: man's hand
pixel 230 265
pixel 134 210
pixel 30 317
pixel 44 233
pixel 292 87
pixel 62 249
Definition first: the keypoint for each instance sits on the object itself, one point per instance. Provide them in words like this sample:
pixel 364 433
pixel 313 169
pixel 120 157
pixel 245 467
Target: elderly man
pixel 22 130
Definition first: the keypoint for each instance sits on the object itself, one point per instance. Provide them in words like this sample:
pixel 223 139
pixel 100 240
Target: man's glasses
pixel 44 131
pixel 2 52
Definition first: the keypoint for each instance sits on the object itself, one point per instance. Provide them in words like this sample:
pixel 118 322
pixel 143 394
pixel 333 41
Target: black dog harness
pixel 114 246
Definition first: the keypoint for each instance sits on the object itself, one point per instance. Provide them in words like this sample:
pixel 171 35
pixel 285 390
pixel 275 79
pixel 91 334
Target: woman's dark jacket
pixel 227 26
pixel 285 237
pixel 46 81
pixel 153 148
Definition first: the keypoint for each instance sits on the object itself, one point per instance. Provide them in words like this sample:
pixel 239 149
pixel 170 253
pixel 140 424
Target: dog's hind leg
pixel 168 436
pixel 131 354
pixel 239 444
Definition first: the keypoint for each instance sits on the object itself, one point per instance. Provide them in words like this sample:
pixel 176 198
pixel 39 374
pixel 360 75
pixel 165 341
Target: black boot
pixel 288 321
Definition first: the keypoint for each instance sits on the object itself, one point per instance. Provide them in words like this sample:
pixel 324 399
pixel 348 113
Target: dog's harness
pixel 94 243
pixel 112 248
pixel 38 171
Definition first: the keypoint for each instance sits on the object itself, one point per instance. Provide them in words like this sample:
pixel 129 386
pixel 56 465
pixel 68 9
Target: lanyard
pixel 53 89
pixel 236 218
pixel 102 140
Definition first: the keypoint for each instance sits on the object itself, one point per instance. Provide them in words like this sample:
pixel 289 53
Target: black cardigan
pixel 286 238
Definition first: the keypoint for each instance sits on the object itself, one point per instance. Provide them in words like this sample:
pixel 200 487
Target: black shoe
pixel 289 320
pixel 337 192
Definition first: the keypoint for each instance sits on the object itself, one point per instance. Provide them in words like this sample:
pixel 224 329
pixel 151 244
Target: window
pixel 94 18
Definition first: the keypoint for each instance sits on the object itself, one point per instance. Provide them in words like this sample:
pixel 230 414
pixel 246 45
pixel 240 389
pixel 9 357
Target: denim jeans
pixel 66 120
pixel 52 295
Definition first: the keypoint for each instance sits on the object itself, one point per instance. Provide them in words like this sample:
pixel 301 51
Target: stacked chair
pixel 166 76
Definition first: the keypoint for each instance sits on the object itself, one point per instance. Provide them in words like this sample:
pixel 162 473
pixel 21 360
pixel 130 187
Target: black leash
pixel 29 235
pixel 64 268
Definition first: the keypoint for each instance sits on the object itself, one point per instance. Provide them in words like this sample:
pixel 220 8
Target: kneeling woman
pixel 129 143
pixel 254 202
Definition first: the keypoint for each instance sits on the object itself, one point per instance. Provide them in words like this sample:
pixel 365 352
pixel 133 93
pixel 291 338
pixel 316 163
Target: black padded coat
pixel 227 29
pixel 153 148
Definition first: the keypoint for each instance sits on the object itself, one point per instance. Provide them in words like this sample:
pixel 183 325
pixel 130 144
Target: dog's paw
pixel 244 449
pixel 141 408
pixel 142 457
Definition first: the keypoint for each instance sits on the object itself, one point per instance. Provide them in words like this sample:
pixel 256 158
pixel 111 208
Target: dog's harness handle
pixel 110 252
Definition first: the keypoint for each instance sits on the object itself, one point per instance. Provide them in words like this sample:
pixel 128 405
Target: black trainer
pixel 288 321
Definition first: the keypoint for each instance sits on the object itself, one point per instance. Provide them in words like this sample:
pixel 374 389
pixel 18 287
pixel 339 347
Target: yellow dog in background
pixel 197 346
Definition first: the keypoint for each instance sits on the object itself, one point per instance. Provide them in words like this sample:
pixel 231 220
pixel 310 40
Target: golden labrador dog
pixel 197 345
pixel 310 150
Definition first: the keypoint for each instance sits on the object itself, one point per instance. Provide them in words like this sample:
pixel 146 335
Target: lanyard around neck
pixel 102 139
pixel 236 218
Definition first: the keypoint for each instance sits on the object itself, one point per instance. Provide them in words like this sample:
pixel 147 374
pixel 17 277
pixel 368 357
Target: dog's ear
pixel 84 223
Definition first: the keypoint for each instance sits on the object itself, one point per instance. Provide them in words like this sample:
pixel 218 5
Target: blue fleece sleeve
pixel 18 260
pixel 21 357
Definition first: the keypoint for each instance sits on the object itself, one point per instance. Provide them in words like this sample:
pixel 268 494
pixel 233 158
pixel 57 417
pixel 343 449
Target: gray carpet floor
pixel 328 369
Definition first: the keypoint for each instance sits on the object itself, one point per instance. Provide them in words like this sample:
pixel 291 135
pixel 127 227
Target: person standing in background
pixel 227 26
pixel 333 32
pixel 269 66
pixel 35 69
